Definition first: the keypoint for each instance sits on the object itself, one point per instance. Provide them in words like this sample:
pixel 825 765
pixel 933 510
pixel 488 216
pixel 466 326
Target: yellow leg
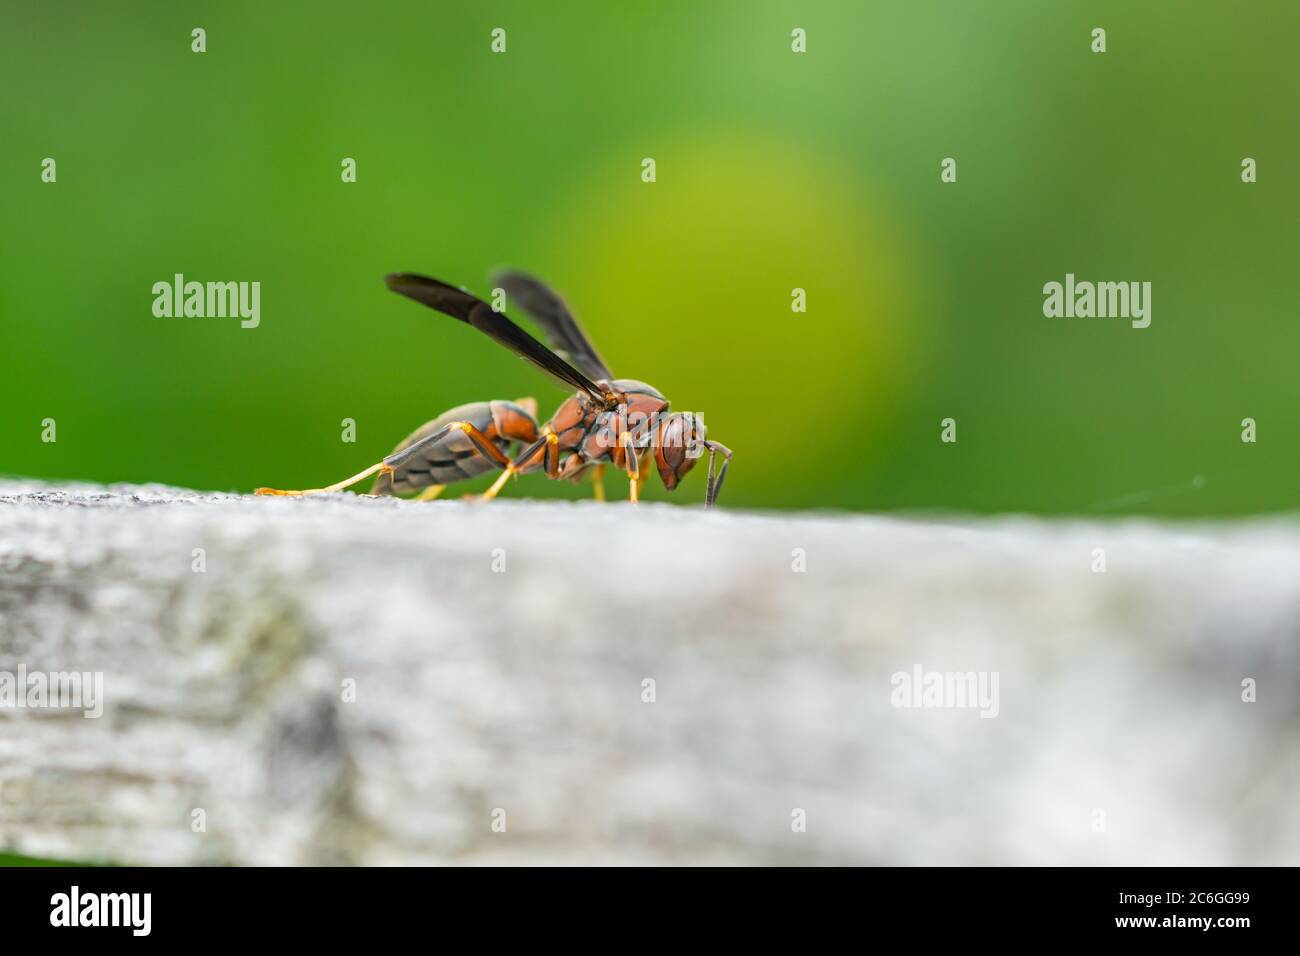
pixel 598 482
pixel 428 494
pixel 497 485
pixel 633 468
pixel 337 486
pixel 647 462
pixel 546 448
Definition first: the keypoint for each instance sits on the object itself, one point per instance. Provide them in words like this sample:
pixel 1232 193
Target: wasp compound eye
pixel 678 447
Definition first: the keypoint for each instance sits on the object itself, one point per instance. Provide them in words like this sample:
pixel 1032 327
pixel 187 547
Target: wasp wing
pixel 551 313
pixel 472 310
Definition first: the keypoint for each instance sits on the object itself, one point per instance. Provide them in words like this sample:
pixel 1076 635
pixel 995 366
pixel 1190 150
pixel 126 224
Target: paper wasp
pixel 617 420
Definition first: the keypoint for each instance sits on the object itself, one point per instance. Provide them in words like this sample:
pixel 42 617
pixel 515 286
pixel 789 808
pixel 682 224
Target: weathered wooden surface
pixel 1119 692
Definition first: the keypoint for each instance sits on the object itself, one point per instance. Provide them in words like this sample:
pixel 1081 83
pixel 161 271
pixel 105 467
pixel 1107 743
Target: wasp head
pixel 679 444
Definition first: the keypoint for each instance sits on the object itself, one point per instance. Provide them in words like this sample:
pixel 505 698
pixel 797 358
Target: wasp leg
pixel 389 465
pixel 643 472
pixel 598 481
pixel 549 448
pixel 632 465
pixel 497 485
pixel 428 494
pixel 383 466
pixel 713 489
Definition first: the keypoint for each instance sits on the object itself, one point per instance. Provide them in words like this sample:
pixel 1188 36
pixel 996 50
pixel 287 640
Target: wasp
pixel 617 421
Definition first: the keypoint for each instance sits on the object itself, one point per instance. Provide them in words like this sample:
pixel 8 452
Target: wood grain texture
pixel 522 689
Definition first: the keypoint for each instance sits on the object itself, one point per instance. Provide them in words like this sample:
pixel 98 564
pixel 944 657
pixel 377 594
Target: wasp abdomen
pixel 454 457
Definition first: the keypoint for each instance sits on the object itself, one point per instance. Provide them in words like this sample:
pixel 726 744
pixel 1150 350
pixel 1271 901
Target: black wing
pixel 474 311
pixel 557 322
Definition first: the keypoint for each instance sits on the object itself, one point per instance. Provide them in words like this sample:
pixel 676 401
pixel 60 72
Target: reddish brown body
pixel 586 433
pixel 606 420
pixel 591 433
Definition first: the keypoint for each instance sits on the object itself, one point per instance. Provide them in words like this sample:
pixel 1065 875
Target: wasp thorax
pixel 612 397
pixel 679 444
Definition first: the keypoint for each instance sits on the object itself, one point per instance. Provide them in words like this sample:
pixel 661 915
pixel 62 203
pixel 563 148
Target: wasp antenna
pixel 713 489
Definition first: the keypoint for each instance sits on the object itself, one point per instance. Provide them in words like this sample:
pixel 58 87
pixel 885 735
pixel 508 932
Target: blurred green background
pixel 775 170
